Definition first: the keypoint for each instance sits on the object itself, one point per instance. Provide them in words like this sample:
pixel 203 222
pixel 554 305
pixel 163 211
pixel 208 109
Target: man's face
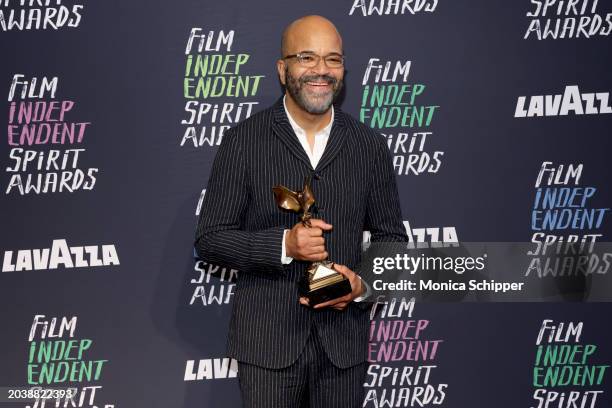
pixel 314 92
pixel 313 89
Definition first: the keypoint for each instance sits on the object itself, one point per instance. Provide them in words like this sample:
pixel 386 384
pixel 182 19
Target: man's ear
pixel 280 68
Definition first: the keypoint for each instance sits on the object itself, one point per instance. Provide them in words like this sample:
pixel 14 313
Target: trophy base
pixel 322 283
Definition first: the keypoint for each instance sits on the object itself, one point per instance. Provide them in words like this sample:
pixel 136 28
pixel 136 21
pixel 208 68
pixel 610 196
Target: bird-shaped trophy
pixel 321 282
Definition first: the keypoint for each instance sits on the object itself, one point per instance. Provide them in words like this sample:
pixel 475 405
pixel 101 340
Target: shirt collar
pixel 297 129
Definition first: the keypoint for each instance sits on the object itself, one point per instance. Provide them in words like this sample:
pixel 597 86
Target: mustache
pixel 319 78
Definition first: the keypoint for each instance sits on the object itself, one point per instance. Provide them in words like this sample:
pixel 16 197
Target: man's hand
pixel 307 243
pixel 341 302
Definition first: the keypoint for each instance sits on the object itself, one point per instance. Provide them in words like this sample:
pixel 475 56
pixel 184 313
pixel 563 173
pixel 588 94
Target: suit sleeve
pixel 220 237
pixel 383 212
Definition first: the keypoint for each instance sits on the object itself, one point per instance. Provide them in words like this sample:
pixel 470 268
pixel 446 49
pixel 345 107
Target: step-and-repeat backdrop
pixel 498 118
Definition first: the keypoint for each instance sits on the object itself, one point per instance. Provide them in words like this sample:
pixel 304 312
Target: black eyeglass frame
pixel 318 57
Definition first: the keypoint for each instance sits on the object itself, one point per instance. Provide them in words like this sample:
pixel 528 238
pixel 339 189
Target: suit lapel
pixel 337 138
pixel 282 128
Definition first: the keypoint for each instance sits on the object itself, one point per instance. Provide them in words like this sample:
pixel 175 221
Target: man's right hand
pixel 307 243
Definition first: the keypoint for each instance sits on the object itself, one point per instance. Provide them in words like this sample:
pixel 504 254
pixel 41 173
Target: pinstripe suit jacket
pixel 241 226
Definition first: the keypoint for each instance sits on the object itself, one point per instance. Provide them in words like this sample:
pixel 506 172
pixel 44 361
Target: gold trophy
pixel 321 282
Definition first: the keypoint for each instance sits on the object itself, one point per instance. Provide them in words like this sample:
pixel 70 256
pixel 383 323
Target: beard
pixel 311 102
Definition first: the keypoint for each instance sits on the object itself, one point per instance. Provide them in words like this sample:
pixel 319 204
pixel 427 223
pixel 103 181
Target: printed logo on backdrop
pixel 18 15
pixel 402 356
pixel 391 103
pixel 566 372
pixel 402 370
pixel 216 86
pixel 60 254
pixel 211 369
pixel 391 7
pixel 572 101
pixel 426 237
pixel 563 19
pixel 212 285
pixel 565 224
pixel 45 144
pixel 59 359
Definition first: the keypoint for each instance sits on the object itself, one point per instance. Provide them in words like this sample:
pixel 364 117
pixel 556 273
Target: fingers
pixel 340 306
pixel 320 224
pixel 313 232
pixel 321 256
pixel 348 273
pixel 313 242
pixel 313 250
pixel 317 241
pixel 316 254
pixel 343 270
pixel 307 244
pixel 335 302
pixel 313 253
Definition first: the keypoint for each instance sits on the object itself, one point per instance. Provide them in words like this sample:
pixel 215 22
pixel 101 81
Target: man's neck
pixel 311 123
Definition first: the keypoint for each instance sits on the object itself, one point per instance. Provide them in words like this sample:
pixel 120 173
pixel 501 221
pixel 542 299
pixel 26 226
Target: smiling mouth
pixel 318 83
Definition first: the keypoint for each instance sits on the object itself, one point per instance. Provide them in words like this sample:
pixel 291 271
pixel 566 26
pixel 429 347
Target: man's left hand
pixel 340 303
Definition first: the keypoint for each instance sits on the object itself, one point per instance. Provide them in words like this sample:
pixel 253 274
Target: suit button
pixel 316 176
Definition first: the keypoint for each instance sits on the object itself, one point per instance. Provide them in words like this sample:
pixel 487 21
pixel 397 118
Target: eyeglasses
pixel 311 60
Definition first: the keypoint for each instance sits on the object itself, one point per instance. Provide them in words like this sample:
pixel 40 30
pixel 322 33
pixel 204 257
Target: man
pixel 291 354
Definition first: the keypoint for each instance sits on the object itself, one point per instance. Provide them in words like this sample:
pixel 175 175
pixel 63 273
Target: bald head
pixel 303 30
